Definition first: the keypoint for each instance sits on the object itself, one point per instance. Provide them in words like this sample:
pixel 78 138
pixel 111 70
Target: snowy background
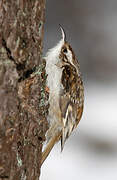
pixel 91 27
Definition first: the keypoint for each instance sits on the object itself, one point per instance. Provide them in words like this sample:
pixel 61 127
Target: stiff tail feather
pixel 49 146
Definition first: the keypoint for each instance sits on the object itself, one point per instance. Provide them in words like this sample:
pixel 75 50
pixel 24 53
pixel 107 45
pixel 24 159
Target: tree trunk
pixel 23 96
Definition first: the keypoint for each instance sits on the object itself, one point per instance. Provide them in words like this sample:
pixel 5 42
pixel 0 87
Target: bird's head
pixel 66 53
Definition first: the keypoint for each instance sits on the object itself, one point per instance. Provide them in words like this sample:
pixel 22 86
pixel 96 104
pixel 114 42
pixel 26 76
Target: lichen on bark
pixel 23 96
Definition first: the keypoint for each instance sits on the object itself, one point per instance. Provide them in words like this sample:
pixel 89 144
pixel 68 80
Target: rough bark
pixel 23 96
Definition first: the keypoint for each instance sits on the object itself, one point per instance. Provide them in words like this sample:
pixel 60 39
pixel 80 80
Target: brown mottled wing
pixel 71 101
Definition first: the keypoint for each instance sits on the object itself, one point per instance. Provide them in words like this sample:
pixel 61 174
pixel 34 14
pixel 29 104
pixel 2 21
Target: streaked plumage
pixel 66 94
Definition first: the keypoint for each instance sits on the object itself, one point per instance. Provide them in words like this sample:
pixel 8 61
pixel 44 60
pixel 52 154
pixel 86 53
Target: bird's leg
pixel 50 145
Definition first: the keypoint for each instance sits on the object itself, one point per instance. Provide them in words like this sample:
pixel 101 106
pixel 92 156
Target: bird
pixel 66 94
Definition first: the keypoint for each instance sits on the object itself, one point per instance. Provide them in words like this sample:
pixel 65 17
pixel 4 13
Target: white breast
pixel 54 81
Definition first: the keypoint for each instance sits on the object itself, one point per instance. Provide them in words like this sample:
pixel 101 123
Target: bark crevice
pixel 23 96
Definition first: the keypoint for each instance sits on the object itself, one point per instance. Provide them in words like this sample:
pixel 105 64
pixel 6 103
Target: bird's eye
pixel 65 50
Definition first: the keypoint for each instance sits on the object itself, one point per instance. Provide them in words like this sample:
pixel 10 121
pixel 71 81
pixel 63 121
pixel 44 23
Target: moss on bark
pixel 23 98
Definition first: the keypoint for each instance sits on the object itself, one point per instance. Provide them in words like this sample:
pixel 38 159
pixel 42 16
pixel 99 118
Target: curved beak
pixel 63 33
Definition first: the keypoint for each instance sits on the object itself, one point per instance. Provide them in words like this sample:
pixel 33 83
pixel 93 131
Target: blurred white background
pixel 91 27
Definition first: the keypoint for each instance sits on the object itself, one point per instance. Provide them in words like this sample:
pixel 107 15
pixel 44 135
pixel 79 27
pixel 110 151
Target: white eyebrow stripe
pixel 69 56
